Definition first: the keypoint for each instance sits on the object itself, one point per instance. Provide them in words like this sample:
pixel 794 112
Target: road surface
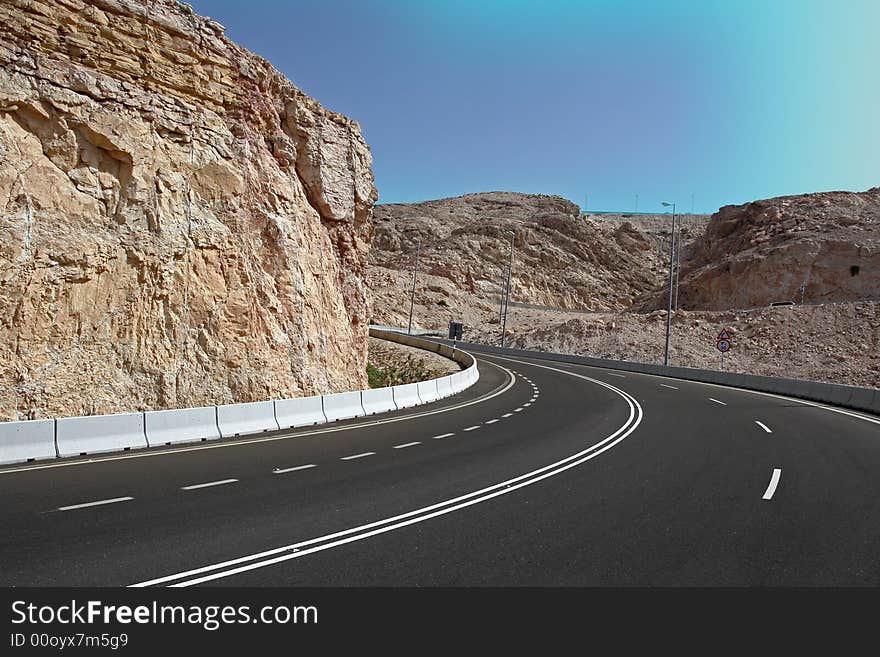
pixel 543 473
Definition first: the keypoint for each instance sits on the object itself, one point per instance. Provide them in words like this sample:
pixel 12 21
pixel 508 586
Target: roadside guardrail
pixel 32 440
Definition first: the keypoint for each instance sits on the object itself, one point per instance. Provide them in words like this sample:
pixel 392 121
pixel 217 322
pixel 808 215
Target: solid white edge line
pixel 717 401
pixel 209 484
pixel 405 445
pixel 763 426
pixel 98 503
pixel 476 426
pixel 774 482
pixel 299 467
pixel 631 424
pixel 222 443
pixel 356 456
pixel 442 435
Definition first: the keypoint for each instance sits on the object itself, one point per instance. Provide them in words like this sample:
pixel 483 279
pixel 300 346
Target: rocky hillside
pixel 813 248
pixel 837 343
pixel 179 224
pixel 561 259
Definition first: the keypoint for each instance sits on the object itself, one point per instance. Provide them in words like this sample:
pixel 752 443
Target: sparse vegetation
pixel 408 370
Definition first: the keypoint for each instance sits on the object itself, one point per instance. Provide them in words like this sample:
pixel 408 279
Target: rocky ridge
pixel 811 248
pixel 561 259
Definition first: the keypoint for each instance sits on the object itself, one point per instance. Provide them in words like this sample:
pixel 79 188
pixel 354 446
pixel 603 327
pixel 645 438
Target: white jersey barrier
pixel 343 406
pixel 378 400
pixel 27 441
pixel 406 395
pixel 99 433
pixel 73 436
pixel 300 412
pixel 182 425
pixel 241 419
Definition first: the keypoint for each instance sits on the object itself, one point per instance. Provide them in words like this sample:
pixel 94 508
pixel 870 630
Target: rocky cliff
pixel 822 247
pixel 560 259
pixel 179 224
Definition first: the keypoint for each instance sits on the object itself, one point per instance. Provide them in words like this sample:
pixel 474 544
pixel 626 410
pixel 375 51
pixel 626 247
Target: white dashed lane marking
pixel 294 469
pixel 356 456
pixel 222 482
pixel 98 503
pixel 491 421
pixel 666 386
pixel 442 435
pixel 507 415
pixel 763 426
pixel 717 401
pixel 476 426
pixel 774 482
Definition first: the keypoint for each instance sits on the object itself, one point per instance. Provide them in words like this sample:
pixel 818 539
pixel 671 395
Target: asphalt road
pixel 542 474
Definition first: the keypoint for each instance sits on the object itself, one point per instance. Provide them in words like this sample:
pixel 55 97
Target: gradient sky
pixel 730 101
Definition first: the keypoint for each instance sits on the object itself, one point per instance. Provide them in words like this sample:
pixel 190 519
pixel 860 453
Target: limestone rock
pixel 812 248
pixel 179 224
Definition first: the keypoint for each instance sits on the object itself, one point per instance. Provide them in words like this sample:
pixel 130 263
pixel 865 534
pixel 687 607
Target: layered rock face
pixel 814 248
pixel 179 224
pixel 560 259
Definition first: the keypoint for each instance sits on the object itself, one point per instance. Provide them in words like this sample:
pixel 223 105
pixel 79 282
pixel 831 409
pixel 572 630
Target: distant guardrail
pixel 860 399
pixel 32 440
pixel 416 332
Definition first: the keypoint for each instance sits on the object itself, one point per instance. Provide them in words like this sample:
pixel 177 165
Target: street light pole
pixel 671 263
pixel 507 302
pixel 412 301
pixel 677 259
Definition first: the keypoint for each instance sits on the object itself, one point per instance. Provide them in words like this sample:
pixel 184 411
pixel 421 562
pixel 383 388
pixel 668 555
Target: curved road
pixel 544 473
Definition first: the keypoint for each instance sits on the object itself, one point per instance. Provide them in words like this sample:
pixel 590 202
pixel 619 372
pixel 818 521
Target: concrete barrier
pixel 862 399
pixel 428 391
pixel 99 433
pixel 27 440
pixel 378 400
pixel 183 425
pixel 828 393
pixel 300 412
pixel 343 405
pixel 444 386
pixel 241 419
pixel 406 395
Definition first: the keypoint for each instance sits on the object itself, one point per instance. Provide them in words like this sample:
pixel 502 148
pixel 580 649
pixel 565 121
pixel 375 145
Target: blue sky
pixel 727 100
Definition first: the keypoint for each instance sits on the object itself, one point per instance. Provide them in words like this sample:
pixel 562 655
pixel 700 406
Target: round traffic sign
pixel 723 345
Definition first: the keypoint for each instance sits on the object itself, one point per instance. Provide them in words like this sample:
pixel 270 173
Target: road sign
pixel 724 335
pixel 723 345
